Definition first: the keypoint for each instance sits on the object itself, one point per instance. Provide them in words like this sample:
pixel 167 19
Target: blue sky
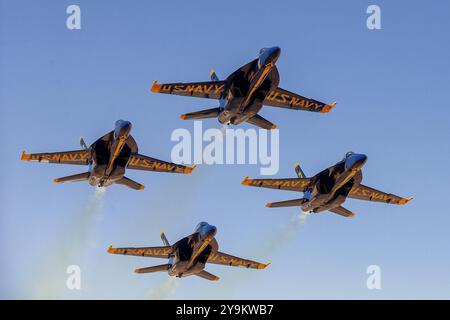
pixel 391 88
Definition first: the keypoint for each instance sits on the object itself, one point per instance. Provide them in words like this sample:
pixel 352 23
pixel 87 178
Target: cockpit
pixel 201 226
pixel 122 129
pixel 354 161
pixel 268 55
pixel 348 154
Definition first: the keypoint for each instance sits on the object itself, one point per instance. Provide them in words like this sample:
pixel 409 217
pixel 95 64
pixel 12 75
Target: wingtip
pixel 405 200
pixel 57 180
pixel 141 187
pixel 274 126
pixel 188 170
pixel 183 116
pixel 296 165
pixel 327 108
pixel 156 87
pixel 264 265
pixel 211 72
pixel 246 181
pixel 269 205
pixel 137 270
pixel 111 249
pixel 25 156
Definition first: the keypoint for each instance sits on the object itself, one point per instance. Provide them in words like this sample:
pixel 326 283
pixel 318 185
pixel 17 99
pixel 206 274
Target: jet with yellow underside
pixel 329 189
pixel 107 159
pixel 243 94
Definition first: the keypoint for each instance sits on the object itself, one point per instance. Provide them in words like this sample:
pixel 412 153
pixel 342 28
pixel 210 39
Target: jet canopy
pixel 348 154
pixel 201 225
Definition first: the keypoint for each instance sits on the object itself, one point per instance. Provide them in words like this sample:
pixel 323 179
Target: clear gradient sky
pixel 391 88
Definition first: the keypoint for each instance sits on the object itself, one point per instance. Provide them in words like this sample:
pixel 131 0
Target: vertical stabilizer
pixel 299 171
pixel 164 239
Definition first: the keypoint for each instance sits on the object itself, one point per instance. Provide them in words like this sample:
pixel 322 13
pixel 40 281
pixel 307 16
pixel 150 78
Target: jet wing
pixel 229 260
pixel 154 252
pixel 80 157
pixel 285 99
pixel 293 184
pixel 363 192
pixel 141 162
pixel 208 89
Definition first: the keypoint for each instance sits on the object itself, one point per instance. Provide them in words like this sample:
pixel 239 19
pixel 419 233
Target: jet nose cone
pixel 274 53
pixel 211 231
pixel 363 158
pixel 123 128
pixel 126 127
pixel 356 161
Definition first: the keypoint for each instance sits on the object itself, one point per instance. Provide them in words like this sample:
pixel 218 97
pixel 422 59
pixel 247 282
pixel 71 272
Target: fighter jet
pixel 107 158
pixel 189 255
pixel 242 95
pixel 328 189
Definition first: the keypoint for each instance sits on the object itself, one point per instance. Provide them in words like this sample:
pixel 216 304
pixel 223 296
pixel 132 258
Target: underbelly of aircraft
pixel 233 113
pixel 323 202
pixel 181 269
pixel 99 178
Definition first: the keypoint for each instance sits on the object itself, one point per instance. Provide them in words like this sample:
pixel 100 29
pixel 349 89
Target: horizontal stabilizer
pixel 259 121
pixel 130 183
pixel 73 178
pixel 162 267
pixel 342 211
pixel 208 276
pixel 203 114
pixel 287 203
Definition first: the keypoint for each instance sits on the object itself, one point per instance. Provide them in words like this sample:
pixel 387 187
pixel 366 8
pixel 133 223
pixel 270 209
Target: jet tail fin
pixel 287 203
pixel 299 171
pixel 164 239
pixel 213 75
pixel 208 276
pixel 130 183
pixel 83 144
pixel 259 121
pixel 73 178
pixel 203 114
pixel 161 267
pixel 342 211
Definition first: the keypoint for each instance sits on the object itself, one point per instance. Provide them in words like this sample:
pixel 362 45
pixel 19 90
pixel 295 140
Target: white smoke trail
pixel 50 280
pixel 270 244
pixel 84 225
pixel 164 290
pixel 286 232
